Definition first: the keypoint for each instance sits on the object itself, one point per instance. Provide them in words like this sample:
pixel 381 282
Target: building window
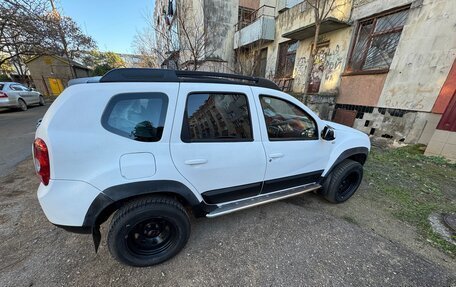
pixel 217 117
pixel 260 67
pixel 245 17
pixel 286 59
pixel 376 41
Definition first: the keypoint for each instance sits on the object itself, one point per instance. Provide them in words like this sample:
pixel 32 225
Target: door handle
pixel 195 161
pixel 276 155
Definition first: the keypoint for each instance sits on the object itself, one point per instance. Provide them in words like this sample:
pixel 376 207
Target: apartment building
pixel 383 67
pixel 196 34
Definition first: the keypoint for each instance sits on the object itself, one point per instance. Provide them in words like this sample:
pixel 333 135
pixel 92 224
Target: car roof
pixel 9 83
pixel 147 75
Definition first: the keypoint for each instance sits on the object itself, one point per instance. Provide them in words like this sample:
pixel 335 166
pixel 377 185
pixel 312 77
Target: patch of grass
pixel 413 186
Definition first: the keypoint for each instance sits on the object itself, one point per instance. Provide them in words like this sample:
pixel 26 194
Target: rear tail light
pixel 3 95
pixel 41 160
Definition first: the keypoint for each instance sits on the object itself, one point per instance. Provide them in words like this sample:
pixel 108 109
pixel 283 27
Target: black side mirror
pixel 328 133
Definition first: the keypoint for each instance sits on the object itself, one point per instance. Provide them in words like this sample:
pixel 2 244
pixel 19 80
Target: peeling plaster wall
pixel 339 43
pixel 221 16
pixel 366 8
pixel 423 58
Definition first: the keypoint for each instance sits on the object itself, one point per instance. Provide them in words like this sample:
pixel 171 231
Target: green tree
pixel 102 62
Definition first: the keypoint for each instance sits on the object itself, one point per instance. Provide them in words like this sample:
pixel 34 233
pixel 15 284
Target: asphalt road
pixel 296 242
pixel 17 130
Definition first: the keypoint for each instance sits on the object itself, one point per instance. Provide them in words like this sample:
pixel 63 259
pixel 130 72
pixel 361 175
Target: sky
pixel 111 23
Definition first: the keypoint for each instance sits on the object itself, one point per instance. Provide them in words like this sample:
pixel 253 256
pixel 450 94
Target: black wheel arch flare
pixel 358 154
pixel 110 199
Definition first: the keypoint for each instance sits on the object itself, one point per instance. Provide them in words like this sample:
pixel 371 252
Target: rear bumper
pixel 8 103
pixel 66 202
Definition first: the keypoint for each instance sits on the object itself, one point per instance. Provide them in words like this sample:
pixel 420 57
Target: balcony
pixel 283 5
pixel 298 22
pixel 258 27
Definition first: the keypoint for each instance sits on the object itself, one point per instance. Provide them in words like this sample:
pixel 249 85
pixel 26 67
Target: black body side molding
pixel 248 190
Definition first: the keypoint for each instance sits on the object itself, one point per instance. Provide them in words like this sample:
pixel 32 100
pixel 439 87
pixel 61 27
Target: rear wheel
pixel 343 181
pixel 22 105
pixel 148 231
pixel 42 102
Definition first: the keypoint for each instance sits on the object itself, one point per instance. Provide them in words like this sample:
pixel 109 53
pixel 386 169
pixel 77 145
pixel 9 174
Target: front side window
pixel 212 117
pixel 376 41
pixel 138 116
pixel 286 121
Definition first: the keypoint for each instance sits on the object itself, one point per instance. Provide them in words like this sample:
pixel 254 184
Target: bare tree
pixel 23 28
pixel 248 59
pixel 30 27
pixel 144 44
pixel 184 38
pixel 321 10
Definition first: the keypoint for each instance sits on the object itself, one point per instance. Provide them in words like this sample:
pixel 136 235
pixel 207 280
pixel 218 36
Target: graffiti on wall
pixel 333 63
pixel 318 68
pixel 326 66
pixel 300 71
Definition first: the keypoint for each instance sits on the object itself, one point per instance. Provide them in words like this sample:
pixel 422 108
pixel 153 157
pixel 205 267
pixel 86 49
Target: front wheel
pixel 148 231
pixel 343 181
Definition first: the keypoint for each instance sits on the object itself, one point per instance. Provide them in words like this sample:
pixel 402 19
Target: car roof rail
pixel 165 75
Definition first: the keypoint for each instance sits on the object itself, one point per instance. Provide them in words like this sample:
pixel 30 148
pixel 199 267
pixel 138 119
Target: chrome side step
pixel 262 199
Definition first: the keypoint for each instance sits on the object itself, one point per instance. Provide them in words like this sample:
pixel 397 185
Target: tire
pixel 42 102
pixel 148 231
pixel 343 181
pixel 22 105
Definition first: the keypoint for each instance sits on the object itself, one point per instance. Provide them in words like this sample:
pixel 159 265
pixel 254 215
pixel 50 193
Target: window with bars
pixel 286 59
pixel 376 41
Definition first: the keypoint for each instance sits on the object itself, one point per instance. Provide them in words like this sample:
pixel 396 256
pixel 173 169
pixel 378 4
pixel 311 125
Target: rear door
pixel 216 141
pixel 18 92
pixel 31 95
pixel 291 137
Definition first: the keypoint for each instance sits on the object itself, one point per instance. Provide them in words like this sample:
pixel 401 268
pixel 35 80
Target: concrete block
pixel 451 138
pixel 449 151
pixel 440 136
pixel 435 147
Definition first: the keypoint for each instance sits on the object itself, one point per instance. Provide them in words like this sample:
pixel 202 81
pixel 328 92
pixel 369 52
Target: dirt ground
pixel 299 241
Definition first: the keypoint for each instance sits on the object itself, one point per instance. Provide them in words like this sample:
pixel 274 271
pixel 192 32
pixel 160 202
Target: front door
pixel 56 86
pixel 216 143
pixel 318 68
pixel 295 153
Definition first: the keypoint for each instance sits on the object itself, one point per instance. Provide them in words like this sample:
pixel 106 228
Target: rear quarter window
pixel 1 87
pixel 138 116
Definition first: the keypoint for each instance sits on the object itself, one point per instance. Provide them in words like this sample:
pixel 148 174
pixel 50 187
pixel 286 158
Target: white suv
pixel 152 146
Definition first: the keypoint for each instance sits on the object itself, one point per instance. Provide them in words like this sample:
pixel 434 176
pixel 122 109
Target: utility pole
pixel 56 14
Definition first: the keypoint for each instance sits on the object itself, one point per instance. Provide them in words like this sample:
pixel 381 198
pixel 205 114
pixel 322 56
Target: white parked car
pixel 153 146
pixel 16 95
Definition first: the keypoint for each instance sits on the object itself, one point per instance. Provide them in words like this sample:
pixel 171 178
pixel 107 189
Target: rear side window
pixel 1 86
pixel 217 117
pixel 16 88
pixel 138 116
